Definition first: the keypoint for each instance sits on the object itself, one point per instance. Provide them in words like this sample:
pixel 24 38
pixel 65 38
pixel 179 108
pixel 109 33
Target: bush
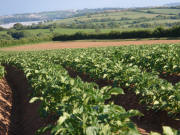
pixel 160 32
pixel 2 29
pixel 5 37
pixel 18 26
pixel 174 31
pixel 26 40
pixel 19 34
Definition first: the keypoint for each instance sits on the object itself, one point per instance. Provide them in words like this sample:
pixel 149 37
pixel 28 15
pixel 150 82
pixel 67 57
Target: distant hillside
pixel 123 19
pixel 104 17
pixel 51 15
pixel 172 4
pixel 36 16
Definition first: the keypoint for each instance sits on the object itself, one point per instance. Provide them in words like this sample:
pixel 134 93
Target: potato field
pixel 126 90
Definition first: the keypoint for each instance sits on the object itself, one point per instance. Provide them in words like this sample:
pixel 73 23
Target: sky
pixel 8 7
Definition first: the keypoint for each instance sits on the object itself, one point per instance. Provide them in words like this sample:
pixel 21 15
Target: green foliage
pixel 158 32
pixel 2 29
pixel 17 37
pixel 19 34
pixel 2 72
pixel 97 30
pixel 126 66
pixel 129 18
pixel 18 26
pixel 5 37
pixel 80 106
pixel 7 40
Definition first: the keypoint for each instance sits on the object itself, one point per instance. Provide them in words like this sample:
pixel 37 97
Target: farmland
pixel 126 90
pixel 97 24
pixel 128 84
pixel 124 19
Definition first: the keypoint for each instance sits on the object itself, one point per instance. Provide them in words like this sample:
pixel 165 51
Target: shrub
pixel 19 34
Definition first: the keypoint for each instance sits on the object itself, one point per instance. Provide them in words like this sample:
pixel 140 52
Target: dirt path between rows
pixel 5 106
pixel 151 121
pixel 17 115
pixel 85 44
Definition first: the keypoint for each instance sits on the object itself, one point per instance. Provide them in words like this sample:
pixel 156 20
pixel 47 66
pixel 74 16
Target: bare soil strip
pixel 172 78
pixel 17 115
pixel 85 44
pixel 5 106
pixel 151 121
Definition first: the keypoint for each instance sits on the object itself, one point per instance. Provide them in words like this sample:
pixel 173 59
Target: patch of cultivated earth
pixel 17 115
pixel 5 106
pixel 172 78
pixel 85 44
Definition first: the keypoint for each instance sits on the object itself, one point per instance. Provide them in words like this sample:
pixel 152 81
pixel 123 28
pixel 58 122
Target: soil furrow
pixel 151 121
pixel 24 117
pixel 5 106
pixel 172 78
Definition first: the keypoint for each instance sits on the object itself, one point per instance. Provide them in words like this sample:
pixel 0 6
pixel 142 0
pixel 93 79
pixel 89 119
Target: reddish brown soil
pixel 151 121
pixel 172 78
pixel 25 118
pixel 85 44
pixel 5 106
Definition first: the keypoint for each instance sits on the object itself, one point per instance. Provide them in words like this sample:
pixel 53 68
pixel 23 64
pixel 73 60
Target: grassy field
pixel 131 18
pixel 111 15
pixel 98 23
pixel 73 31
pixel 164 11
pixel 67 31
pixel 121 20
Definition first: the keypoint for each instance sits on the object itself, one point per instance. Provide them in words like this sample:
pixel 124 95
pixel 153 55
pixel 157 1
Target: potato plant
pixel 79 106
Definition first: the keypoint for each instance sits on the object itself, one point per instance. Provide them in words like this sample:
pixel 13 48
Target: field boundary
pixel 85 44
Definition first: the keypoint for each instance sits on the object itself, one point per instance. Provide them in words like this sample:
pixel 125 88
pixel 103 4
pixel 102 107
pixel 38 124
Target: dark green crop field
pixel 111 90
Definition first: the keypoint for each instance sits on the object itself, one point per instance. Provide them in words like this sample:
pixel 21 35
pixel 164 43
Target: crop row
pixel 164 58
pixel 1 72
pixel 157 93
pixel 79 106
pixel 1 68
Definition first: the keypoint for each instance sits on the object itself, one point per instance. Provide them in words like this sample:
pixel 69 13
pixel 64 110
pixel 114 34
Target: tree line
pixel 14 37
pixel 156 33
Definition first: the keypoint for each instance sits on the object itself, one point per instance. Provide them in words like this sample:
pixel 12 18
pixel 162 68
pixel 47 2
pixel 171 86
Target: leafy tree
pixel 18 26
pixel 19 34
pixel 2 29
pixel 5 37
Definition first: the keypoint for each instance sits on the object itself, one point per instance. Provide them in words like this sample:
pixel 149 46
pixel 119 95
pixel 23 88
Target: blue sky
pixel 28 6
